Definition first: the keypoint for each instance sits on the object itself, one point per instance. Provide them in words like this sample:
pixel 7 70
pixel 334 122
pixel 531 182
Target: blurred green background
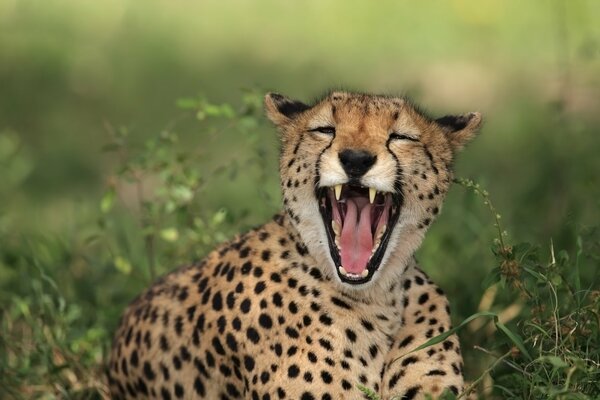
pixel 72 72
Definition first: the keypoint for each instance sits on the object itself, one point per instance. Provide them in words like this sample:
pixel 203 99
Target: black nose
pixel 356 162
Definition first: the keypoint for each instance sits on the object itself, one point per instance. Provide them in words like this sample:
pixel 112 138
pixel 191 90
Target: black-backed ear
pixel 281 109
pixel 460 129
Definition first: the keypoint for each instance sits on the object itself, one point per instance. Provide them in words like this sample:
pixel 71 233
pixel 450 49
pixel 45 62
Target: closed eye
pixel 401 136
pixel 328 130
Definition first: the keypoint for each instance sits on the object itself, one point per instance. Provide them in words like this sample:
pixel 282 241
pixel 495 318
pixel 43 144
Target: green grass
pixel 127 148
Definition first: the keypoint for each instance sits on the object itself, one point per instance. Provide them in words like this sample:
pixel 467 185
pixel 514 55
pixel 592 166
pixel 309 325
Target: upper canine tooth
pixel 372 194
pixel 338 191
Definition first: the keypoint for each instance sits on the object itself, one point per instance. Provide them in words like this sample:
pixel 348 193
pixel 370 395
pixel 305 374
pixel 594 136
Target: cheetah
pixel 326 296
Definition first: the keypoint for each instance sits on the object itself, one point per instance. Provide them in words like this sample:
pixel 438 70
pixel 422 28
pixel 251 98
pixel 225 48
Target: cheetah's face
pixel 363 177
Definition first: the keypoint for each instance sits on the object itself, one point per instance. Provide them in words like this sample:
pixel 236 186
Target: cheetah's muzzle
pixel 359 222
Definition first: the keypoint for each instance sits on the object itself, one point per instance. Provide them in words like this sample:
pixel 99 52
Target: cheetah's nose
pixel 356 162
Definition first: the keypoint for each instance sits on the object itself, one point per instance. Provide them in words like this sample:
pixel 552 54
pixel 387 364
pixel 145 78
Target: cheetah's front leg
pixel 431 370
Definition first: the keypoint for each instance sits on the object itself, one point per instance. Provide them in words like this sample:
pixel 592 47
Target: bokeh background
pixel 76 74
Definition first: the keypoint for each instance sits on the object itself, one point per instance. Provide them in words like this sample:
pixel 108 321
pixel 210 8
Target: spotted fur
pixel 265 316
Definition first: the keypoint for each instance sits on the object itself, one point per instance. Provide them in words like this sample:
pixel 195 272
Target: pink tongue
pixel 356 240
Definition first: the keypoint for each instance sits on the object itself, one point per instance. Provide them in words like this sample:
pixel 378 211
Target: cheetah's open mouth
pixel 358 222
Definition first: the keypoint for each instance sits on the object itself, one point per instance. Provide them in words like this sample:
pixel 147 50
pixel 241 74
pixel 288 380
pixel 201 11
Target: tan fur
pixel 266 316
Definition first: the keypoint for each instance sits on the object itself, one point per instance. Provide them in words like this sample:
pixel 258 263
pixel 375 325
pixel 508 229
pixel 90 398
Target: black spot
pixel 183 294
pixel 325 319
pixel 340 303
pixel 266 255
pixel 246 267
pixel 178 325
pixel 423 298
pixel 232 391
pixel 249 363
pixel 264 377
pixel 218 346
pixel 351 335
pixel 217 302
pixel 277 299
pixel 291 332
pixel 225 370
pixel 409 360
pixel 411 393
pixel 306 320
pixel 307 396
pixel 230 300
pixel 326 377
pixel 436 372
pixel 252 335
pixel 199 387
pixel 164 343
pixel 346 385
pixel 244 252
pixel 133 359
pixel 245 306
pixel 293 371
pixel 185 354
pixel 368 325
pixel 308 377
pixel 373 350
pixel 406 341
pixel 179 392
pixel 148 372
pixel 326 344
pixel 265 321
pixel 394 379
pixel 231 342
pixel 260 287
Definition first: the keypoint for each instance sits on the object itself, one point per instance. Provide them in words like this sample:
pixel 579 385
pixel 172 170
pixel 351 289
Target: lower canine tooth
pixel 364 273
pixel 342 271
pixel 336 227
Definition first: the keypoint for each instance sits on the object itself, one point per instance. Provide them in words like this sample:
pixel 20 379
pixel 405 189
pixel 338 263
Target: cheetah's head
pixel 363 177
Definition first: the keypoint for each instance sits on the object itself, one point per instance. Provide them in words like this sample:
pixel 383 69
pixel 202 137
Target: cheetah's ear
pixel 460 129
pixel 281 109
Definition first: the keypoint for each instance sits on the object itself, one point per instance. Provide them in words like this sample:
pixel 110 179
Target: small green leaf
pixel 169 234
pixel 122 265
pixel 107 201
pixel 555 361
pixel 219 217
pixel 187 103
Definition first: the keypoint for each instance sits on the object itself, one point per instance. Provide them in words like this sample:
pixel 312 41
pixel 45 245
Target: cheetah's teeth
pixel 342 271
pixel 364 273
pixel 338 191
pixel 372 194
pixel 336 227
